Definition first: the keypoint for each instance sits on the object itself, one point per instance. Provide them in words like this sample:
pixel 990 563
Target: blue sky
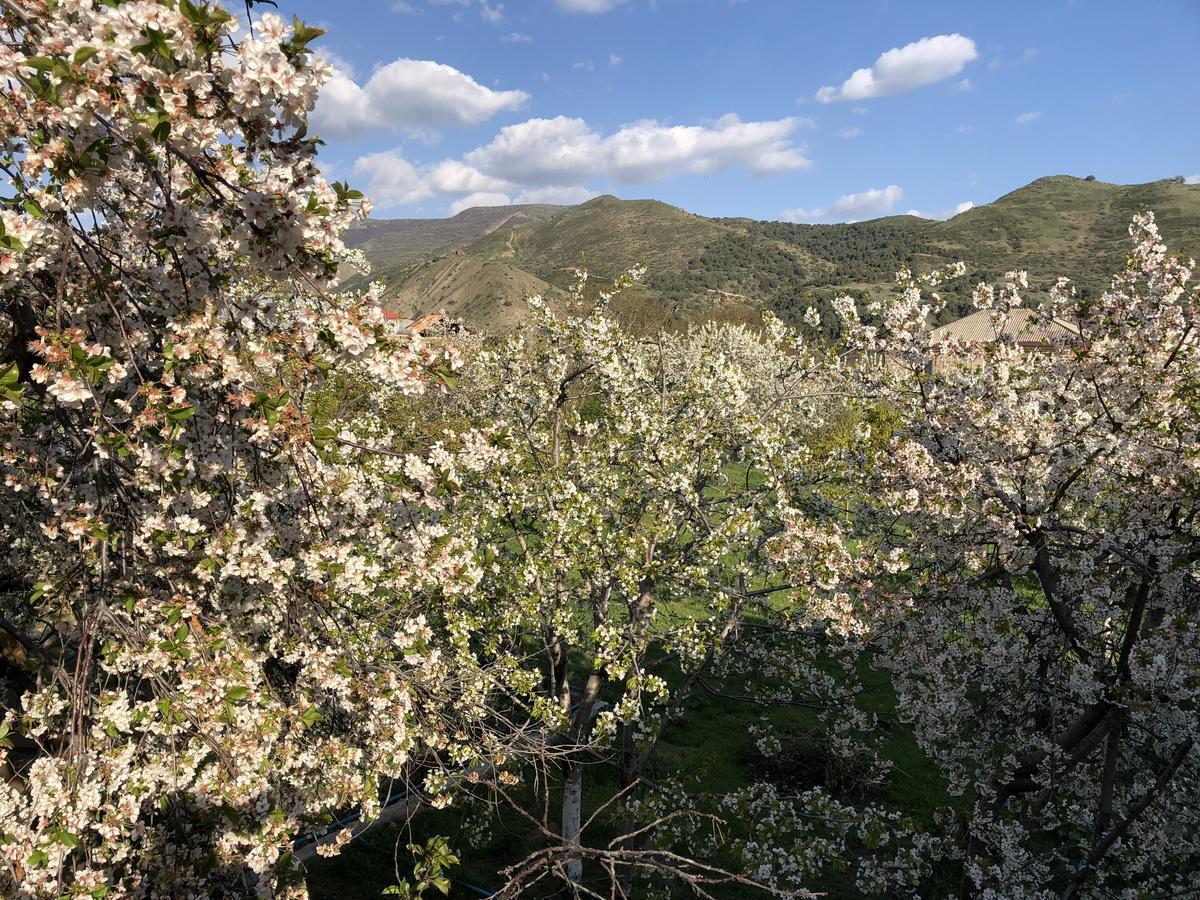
pixel 751 107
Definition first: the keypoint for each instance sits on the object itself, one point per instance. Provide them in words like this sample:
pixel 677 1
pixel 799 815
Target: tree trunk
pixel 581 727
pixel 572 811
pixel 631 773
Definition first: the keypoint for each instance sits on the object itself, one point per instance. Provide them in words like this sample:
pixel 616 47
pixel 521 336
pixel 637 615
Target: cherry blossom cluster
pixel 1033 528
pixel 627 537
pixel 210 588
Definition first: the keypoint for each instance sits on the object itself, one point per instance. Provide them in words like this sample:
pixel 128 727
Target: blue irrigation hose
pixel 482 892
pixel 305 840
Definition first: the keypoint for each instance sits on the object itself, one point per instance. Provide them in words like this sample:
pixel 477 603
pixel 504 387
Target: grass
pixel 709 752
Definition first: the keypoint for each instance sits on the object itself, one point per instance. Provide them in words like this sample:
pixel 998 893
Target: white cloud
pixel 480 199
pixel 455 177
pixel 849 133
pixel 567 151
pixel 541 151
pixel 493 15
pixel 552 160
pixel 406 95
pixel 904 68
pixel 1026 117
pixel 965 85
pixel 584 65
pixel 394 181
pixel 565 196
pixel 944 213
pixel 516 37
pixel 403 6
pixel 1191 179
pixel 614 60
pixel 1029 55
pixel 558 196
pixel 588 6
pixel 868 204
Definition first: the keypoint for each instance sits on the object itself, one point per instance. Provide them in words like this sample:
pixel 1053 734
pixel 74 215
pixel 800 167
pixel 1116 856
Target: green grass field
pixel 710 751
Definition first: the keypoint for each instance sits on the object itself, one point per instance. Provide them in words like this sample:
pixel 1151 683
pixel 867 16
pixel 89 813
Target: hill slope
pixel 485 293
pixel 1068 226
pixel 389 243
pixel 481 263
pixel 607 235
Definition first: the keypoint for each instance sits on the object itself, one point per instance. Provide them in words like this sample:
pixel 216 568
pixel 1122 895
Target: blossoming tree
pixel 628 540
pixel 1038 517
pixel 208 642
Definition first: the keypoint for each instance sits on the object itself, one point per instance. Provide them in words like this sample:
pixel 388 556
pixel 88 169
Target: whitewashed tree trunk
pixel 572 809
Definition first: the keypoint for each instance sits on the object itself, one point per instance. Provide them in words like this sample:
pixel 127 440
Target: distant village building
pixel 1024 326
pixel 432 323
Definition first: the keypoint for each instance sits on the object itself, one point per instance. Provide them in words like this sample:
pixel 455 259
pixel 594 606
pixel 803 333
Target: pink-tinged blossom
pixel 222 562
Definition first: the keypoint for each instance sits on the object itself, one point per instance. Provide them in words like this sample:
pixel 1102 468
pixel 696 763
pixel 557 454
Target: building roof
pixel 417 326
pixel 1022 325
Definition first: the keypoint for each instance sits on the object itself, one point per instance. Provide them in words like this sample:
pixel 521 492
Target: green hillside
pixel 484 292
pixel 389 243
pixel 1066 226
pixel 479 264
pixel 607 235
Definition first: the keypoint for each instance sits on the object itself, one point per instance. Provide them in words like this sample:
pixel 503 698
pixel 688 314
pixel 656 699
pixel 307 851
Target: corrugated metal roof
pixel 1023 325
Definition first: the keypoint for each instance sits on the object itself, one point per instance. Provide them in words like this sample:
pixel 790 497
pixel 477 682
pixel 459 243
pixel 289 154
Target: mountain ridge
pixel 479 264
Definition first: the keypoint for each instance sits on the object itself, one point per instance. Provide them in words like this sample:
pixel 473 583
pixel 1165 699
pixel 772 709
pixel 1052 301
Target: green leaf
pixel 311 717
pixel 237 694
pixel 83 54
pixel 191 12
pixel 38 858
pixel 67 839
pixel 302 34
pixel 8 378
pixel 180 413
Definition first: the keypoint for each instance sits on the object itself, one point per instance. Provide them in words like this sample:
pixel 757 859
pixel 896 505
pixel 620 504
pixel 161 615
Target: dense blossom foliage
pixel 207 648
pixel 236 603
pixel 1038 517
pixel 628 536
